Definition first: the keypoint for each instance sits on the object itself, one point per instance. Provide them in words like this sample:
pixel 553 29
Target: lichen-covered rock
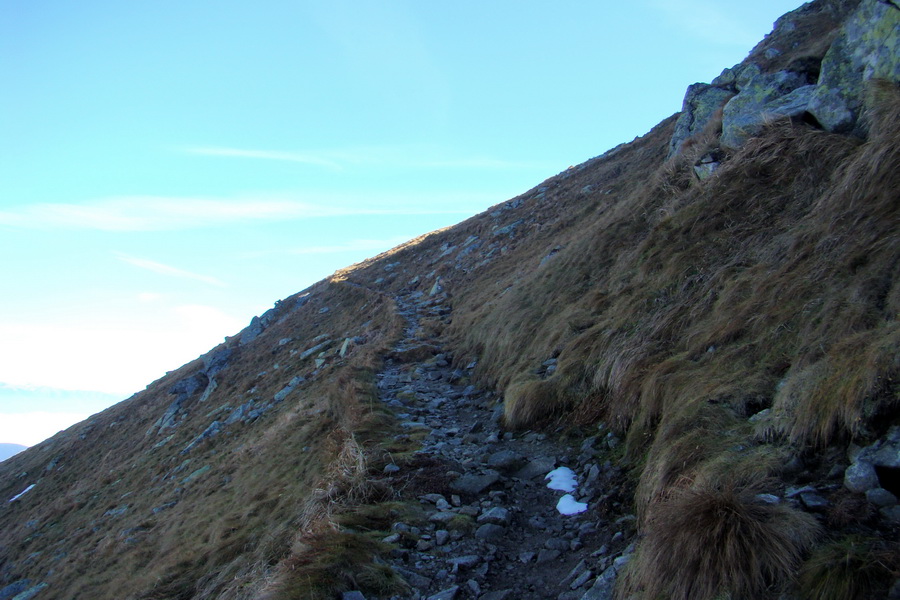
pixel 861 477
pixel 785 93
pixel 737 77
pixel 867 48
pixel 700 104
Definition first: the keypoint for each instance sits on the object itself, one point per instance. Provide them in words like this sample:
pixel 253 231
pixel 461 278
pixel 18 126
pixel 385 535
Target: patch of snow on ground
pixel 567 505
pixel 562 479
pixel 22 493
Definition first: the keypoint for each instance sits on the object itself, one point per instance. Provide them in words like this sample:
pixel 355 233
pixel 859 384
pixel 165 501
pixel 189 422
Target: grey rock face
pixel 215 361
pixel 286 390
pixel 209 432
pixel 700 104
pixel 190 385
pixel 867 48
pixel 30 592
pixel 14 588
pixel 252 331
pixel 746 114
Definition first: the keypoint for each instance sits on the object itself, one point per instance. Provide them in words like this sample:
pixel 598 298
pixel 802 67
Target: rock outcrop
pixel 788 77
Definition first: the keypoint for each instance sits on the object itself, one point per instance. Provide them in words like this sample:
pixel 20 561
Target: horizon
pixel 169 171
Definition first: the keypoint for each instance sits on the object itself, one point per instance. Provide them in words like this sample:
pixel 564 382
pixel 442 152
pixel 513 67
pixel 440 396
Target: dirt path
pixel 493 530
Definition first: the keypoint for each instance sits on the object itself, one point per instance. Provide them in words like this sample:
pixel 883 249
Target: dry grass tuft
pixel 852 568
pixel 336 562
pixel 710 539
pixel 526 402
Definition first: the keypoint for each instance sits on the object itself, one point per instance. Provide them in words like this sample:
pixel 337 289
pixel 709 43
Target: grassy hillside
pixel 121 510
pixel 738 334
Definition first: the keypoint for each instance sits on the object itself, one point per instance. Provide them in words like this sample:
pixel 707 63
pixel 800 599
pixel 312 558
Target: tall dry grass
pixel 714 539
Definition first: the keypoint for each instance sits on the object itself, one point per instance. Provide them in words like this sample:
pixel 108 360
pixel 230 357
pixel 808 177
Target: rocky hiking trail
pixel 493 530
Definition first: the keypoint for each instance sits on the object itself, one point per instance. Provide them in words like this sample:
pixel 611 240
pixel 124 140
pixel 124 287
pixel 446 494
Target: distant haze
pixel 7 450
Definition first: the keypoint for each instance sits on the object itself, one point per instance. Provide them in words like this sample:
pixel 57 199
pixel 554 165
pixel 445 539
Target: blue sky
pixel 170 169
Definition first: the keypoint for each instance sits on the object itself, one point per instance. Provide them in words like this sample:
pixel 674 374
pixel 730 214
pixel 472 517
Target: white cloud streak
pixel 707 20
pixel 397 157
pixel 352 246
pixel 168 270
pixel 107 355
pixel 264 154
pixel 162 213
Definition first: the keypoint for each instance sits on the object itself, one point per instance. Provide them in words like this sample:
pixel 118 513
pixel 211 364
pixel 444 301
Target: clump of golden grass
pixel 712 538
pixel 335 562
pixel 526 402
pixel 851 568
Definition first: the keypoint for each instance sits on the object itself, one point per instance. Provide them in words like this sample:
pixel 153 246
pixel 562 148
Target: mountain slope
pixel 7 450
pixel 719 322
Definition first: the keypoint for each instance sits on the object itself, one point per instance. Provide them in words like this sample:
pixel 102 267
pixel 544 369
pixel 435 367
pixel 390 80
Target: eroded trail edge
pixel 491 528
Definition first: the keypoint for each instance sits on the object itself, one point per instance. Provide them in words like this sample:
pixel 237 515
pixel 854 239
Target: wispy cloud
pixel 264 154
pixel 708 20
pixel 351 246
pixel 161 213
pixel 396 157
pixel 168 270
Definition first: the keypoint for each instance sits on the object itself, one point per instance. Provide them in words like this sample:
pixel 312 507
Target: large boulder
pixel 700 105
pixel 867 48
pixel 766 96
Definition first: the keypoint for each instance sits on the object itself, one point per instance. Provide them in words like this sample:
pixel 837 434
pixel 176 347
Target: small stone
pixel 881 497
pixel 556 544
pixel 581 580
pixel 768 498
pixel 537 467
pixel 498 595
pixel 575 572
pixel 442 517
pixel 506 461
pixel 892 514
pixel 814 501
pixel 354 595
pixel 547 555
pixel 489 531
pixel 424 545
pixel 496 515
pixel 448 594
pixel 391 539
pixel 526 557
pixel 475 484
pixel 441 537
pixel 413 578
pixel 861 477
pixel 465 562
pixel 390 469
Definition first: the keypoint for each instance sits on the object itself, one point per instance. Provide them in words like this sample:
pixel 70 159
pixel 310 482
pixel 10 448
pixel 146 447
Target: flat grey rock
pixel 475 483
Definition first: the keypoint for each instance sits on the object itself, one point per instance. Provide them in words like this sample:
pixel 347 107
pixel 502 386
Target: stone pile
pixel 492 530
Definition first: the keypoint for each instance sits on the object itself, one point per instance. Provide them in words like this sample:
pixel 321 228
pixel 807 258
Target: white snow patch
pixel 22 493
pixel 567 505
pixel 562 479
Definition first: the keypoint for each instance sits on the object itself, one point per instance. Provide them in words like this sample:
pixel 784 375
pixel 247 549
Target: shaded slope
pixel 739 334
